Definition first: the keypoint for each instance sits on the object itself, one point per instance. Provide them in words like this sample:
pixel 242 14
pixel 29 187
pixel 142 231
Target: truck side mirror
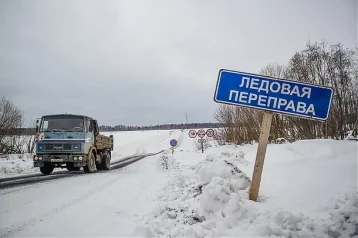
pixel 37 125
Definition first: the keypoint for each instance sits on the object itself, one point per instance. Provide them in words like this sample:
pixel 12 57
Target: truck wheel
pixel 47 169
pixel 106 164
pixel 91 164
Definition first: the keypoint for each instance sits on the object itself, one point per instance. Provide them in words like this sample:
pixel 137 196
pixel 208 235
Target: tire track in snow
pixel 17 181
pixel 18 227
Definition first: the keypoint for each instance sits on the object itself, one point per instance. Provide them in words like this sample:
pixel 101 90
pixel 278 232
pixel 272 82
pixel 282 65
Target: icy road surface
pixel 103 204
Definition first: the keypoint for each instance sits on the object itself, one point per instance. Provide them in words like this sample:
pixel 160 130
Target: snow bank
pixel 13 165
pixel 211 199
pixel 166 162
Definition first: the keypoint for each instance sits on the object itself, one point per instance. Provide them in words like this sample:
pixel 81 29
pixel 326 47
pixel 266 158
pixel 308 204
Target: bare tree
pixel 332 66
pixel 11 120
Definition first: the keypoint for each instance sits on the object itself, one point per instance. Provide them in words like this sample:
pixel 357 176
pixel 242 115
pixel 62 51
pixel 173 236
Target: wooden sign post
pixel 273 95
pixel 260 156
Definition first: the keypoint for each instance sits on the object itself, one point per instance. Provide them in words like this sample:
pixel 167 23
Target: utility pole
pixel 186 120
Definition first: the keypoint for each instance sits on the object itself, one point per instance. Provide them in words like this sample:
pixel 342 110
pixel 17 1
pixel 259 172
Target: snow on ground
pixel 126 143
pixel 129 143
pixel 100 204
pixel 13 165
pixel 94 205
pixel 308 189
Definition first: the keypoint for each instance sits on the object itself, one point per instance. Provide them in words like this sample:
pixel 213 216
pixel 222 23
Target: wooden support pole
pixel 260 156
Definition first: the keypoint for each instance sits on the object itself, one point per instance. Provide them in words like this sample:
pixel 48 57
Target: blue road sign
pixel 173 143
pixel 272 94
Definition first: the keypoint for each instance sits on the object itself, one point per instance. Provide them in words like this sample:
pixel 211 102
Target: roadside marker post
pixel 273 95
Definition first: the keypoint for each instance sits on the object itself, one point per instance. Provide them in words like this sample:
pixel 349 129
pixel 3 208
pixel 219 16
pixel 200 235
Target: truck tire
pixel 91 164
pixel 47 169
pixel 106 163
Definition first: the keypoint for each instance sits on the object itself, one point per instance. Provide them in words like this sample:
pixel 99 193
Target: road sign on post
pixel 173 143
pixel 201 133
pixel 210 132
pixel 273 95
pixel 192 133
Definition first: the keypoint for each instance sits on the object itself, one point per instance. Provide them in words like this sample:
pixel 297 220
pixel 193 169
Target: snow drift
pixel 211 199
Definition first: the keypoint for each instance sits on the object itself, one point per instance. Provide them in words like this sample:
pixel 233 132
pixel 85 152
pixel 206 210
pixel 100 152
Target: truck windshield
pixel 64 123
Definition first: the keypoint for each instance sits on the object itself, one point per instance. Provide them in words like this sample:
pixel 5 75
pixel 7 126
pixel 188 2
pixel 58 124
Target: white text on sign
pixel 274 102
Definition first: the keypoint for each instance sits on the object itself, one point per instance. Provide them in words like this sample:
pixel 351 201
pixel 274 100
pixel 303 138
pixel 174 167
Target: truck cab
pixel 71 141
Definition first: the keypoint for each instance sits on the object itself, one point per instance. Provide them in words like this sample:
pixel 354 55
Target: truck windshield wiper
pixel 65 129
pixel 52 130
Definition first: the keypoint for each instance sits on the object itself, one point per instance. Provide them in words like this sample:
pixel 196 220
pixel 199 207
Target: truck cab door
pixel 93 130
pixel 90 133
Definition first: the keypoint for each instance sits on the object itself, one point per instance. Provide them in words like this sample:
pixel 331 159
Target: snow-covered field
pixel 308 188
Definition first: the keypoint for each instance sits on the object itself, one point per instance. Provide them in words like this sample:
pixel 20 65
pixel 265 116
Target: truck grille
pixel 49 146
pixel 58 147
pixel 67 147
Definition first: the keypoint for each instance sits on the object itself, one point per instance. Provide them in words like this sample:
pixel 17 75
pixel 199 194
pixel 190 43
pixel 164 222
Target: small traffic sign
pixel 192 133
pixel 201 133
pixel 201 141
pixel 173 143
pixel 210 132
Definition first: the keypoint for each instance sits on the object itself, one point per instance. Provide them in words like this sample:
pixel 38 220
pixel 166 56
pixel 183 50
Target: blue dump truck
pixel 71 141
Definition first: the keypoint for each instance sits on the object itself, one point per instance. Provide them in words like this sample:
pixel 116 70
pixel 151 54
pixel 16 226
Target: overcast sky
pixel 151 61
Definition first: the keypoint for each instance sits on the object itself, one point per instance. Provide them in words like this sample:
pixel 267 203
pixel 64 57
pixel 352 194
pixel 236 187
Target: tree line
pixel 160 127
pixel 319 63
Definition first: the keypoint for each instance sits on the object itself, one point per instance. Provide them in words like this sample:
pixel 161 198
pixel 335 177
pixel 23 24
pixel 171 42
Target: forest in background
pixel 319 63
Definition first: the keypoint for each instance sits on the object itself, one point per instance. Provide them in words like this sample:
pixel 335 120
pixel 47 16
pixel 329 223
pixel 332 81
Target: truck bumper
pixel 77 160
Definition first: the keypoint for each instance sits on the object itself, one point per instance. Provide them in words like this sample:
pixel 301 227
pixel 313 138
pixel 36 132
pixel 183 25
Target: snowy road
pixel 92 205
pixel 77 204
pixel 36 178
